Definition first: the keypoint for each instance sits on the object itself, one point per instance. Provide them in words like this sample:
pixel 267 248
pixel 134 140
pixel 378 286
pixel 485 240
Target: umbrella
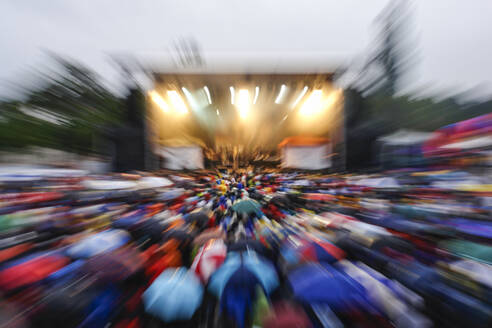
pixel 76 304
pixel 213 233
pixel 128 219
pixel 467 249
pixel 175 295
pixel 183 234
pixel 154 182
pixel 248 206
pixel 14 251
pixel 386 295
pixel 209 258
pixel 109 184
pixel 114 266
pixel 184 239
pixel 101 242
pixel 33 269
pixel 244 245
pixel 471 275
pixel 385 182
pixel 171 194
pixel 200 219
pixel 66 273
pixel 298 250
pixel 150 229
pixel 235 283
pixel 322 284
pixel 158 258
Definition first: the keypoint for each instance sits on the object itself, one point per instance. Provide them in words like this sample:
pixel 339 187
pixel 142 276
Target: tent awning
pixel 406 137
pixel 303 141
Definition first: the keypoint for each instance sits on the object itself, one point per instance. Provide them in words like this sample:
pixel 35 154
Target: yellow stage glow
pixel 243 103
pixel 313 104
pixel 177 102
pixel 159 101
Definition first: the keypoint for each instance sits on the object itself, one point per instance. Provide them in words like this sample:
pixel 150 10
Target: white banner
pixel 179 158
pixel 306 157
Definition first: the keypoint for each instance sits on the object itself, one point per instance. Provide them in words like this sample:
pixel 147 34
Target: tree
pixel 81 105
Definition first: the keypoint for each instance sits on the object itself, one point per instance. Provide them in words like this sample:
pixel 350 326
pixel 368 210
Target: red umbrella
pixel 159 258
pixel 209 258
pixel 319 197
pixel 11 252
pixel 31 271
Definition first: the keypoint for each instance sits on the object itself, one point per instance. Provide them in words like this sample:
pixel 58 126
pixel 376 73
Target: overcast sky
pixel 454 40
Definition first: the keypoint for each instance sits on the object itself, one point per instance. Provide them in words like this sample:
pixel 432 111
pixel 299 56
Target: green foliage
pixel 425 114
pixel 77 105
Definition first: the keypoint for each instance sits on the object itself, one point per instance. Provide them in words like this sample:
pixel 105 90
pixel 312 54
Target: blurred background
pixel 255 163
pixel 372 78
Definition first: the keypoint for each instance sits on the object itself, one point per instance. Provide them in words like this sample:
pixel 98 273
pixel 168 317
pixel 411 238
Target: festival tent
pixel 402 148
pixel 466 135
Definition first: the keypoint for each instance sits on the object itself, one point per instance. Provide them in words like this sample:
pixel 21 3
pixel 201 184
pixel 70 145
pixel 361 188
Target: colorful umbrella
pixel 101 242
pixel 212 233
pixel 386 295
pixel 316 283
pixel 244 245
pixel 209 258
pixel 299 250
pixel 24 272
pixel 76 304
pixel 175 295
pixel 467 249
pixel 235 283
pixel 248 206
pixel 158 258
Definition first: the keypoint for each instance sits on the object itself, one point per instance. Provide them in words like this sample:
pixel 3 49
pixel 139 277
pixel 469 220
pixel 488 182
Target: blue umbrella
pixel 248 206
pixel 128 220
pixel 101 242
pixel 322 284
pixel 66 273
pixel 235 283
pixel 171 194
pixel 175 295
pixel 249 244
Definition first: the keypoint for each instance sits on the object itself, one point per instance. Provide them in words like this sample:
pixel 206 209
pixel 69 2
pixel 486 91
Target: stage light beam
pixel 257 93
pixel 233 94
pixel 281 94
pixel 299 98
pixel 209 98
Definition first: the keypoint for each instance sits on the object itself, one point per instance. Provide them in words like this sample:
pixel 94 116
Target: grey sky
pixel 453 35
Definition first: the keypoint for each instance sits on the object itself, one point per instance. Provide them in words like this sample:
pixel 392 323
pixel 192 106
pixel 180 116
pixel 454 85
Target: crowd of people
pixel 408 248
